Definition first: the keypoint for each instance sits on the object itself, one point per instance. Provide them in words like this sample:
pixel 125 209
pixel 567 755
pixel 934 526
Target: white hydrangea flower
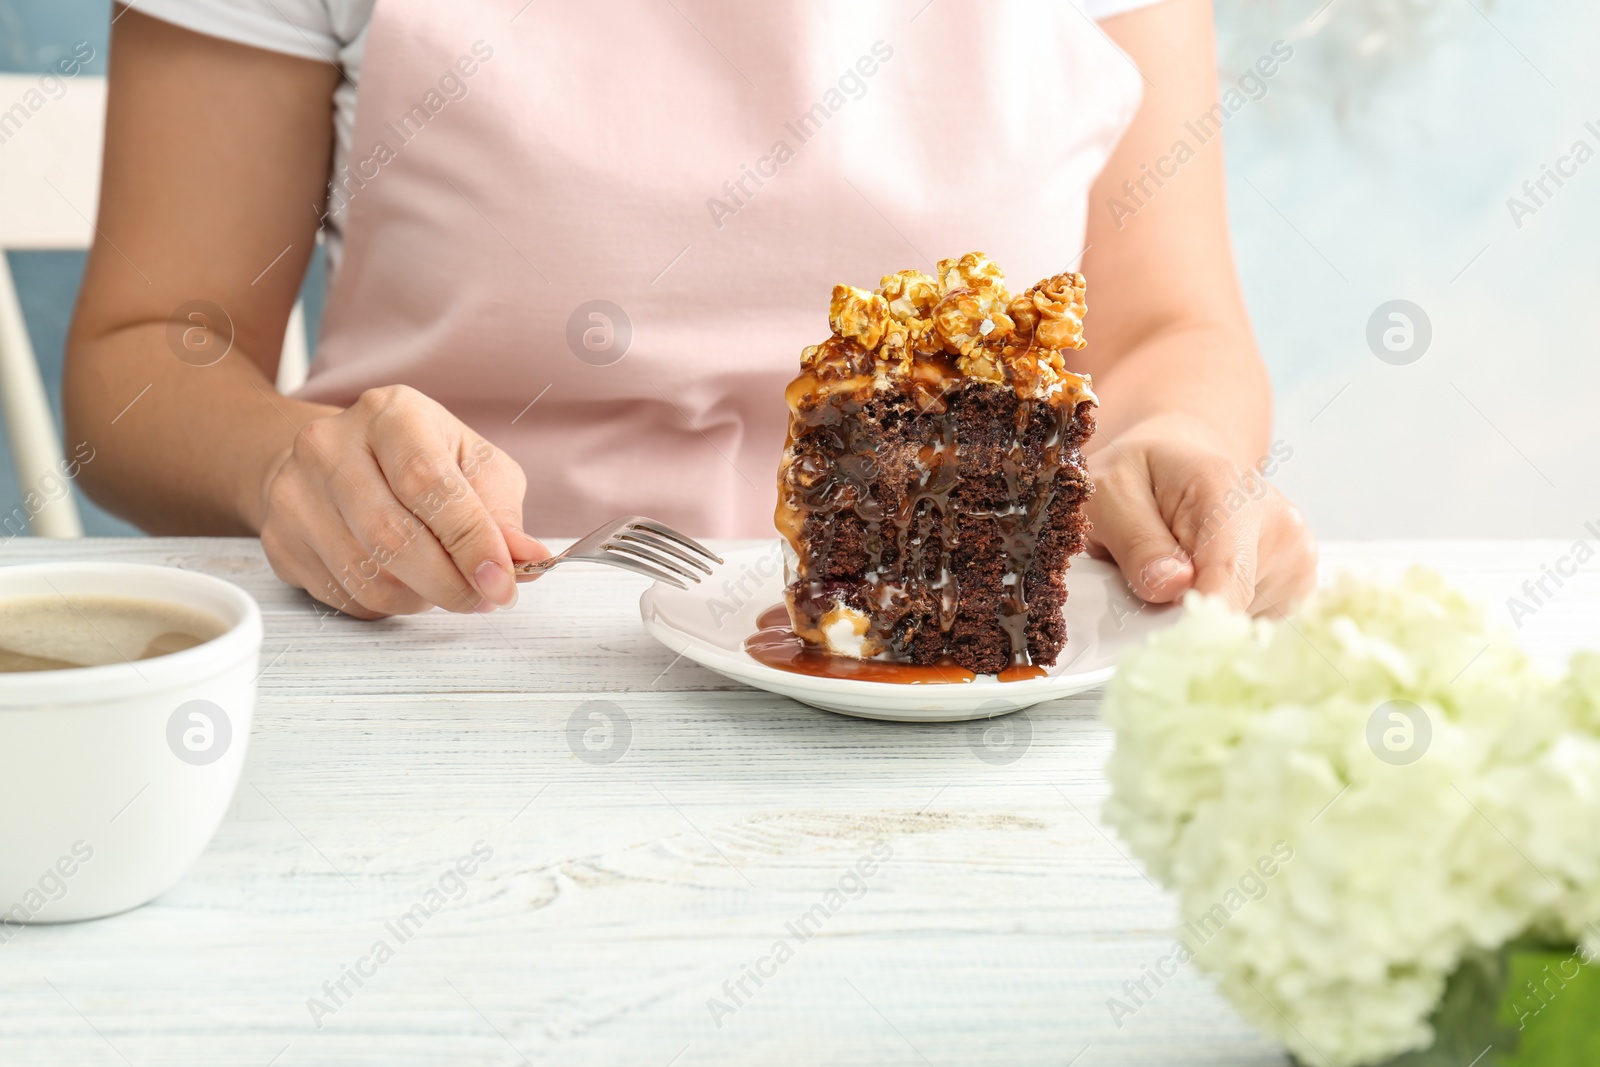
pixel 1234 734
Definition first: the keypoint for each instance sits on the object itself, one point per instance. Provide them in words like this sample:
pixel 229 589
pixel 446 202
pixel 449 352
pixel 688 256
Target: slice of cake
pixel 932 486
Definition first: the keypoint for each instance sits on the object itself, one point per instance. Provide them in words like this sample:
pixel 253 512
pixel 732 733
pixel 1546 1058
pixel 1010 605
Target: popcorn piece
pixel 973 271
pixel 969 317
pixel 858 315
pixel 1023 313
pixel 1060 307
pixel 1041 372
pixel 973 310
pixel 837 358
pixel 983 364
pixel 911 296
pixel 958 317
pixel 910 326
pixel 1034 371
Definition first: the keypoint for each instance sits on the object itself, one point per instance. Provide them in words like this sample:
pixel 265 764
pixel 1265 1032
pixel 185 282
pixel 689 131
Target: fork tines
pixel 656 550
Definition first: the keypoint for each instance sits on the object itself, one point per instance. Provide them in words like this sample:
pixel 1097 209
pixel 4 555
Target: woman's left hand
pixel 1177 513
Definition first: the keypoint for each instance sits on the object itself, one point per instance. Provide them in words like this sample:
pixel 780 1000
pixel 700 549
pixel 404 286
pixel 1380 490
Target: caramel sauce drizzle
pixel 776 645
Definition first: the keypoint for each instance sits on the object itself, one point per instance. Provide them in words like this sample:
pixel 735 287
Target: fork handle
pixel 527 572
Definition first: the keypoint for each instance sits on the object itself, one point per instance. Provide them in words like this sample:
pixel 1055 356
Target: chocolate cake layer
pixel 922 521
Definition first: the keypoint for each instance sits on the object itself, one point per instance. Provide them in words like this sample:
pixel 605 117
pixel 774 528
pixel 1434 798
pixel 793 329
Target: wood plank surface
pixel 623 902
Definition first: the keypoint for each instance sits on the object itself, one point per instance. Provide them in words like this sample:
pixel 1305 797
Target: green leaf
pixel 1556 1002
pixel 1527 1005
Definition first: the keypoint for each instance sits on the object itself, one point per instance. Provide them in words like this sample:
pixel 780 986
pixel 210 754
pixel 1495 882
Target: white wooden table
pixel 620 897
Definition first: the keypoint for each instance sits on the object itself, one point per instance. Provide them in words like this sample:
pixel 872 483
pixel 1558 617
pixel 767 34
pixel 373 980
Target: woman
pixel 576 249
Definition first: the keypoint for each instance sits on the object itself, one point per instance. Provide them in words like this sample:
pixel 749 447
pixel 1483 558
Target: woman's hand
pixel 1177 514
pixel 394 505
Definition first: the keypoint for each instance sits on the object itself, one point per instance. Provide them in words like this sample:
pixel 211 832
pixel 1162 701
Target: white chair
pixel 49 191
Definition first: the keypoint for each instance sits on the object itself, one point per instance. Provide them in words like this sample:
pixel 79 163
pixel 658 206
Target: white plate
pixel 708 623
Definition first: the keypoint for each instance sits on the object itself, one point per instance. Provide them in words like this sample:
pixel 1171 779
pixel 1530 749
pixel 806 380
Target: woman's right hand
pixel 394 505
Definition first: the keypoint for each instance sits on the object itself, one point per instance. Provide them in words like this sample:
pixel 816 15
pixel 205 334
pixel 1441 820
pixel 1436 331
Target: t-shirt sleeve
pixel 1104 9
pixel 296 27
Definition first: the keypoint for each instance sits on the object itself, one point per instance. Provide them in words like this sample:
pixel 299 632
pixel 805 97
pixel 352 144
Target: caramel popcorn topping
pixel 961 323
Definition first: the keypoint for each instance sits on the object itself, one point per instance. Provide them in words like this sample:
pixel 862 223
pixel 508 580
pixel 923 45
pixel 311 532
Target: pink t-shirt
pixel 601 233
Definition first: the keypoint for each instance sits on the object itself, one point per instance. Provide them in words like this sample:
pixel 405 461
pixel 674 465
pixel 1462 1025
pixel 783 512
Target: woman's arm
pixel 215 157
pixel 1186 409
pixel 215 173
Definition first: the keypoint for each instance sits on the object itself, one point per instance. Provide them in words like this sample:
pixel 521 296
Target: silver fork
pixel 636 544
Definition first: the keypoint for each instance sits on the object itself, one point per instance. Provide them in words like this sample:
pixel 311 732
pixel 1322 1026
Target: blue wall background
pixel 1377 167
pixel 32 37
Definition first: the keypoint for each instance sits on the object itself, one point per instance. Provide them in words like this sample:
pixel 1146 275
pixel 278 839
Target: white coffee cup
pixel 114 778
